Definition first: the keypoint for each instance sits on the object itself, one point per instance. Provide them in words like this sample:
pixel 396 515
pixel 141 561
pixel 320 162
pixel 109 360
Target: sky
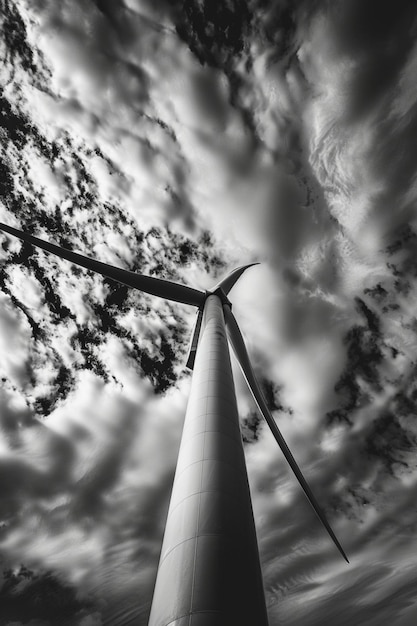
pixel 181 139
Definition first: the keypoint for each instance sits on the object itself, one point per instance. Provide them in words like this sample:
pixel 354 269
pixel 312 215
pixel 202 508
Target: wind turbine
pixel 209 572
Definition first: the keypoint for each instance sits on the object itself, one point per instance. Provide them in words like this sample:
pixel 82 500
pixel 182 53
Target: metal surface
pixel 209 572
pixel 192 350
pixel 149 284
pixel 239 349
pixel 228 281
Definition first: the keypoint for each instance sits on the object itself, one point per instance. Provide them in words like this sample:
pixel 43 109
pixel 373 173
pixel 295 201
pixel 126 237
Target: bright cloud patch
pixel 180 140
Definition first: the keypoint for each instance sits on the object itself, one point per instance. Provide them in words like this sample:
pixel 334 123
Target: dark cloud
pixel 174 139
pixel 22 480
pixel 18 48
pixel 364 354
pixel 214 33
pixel 26 595
pixel 379 36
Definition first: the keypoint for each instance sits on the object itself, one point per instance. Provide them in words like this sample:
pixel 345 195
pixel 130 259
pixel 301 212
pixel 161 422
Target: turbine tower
pixel 209 572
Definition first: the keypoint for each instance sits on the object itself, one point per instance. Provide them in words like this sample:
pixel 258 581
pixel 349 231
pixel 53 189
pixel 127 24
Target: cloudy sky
pixel 181 139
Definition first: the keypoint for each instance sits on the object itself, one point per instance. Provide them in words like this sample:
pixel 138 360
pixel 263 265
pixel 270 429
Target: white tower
pixel 209 572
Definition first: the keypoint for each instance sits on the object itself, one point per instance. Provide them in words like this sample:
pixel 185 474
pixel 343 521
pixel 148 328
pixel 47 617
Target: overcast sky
pixel 182 139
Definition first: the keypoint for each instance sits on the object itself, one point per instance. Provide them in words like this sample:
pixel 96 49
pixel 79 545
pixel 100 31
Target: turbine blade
pixel 192 351
pixel 155 286
pixel 239 348
pixel 228 281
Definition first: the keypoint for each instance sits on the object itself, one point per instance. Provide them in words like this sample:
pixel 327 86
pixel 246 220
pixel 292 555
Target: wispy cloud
pixel 156 138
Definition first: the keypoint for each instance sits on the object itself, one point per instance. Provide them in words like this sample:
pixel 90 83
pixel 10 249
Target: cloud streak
pixel 179 140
